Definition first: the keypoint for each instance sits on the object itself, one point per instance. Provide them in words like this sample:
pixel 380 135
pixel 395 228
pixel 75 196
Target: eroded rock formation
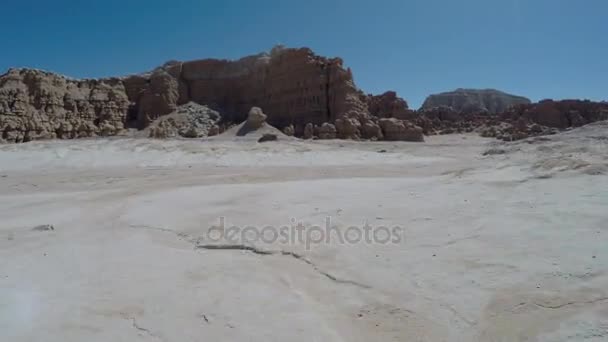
pixel 395 129
pixel 256 118
pixel 326 131
pixel 294 87
pixel 254 128
pixel 389 105
pixel 189 121
pixel 559 114
pixel 304 94
pixel 518 122
pixel 309 131
pixel 41 105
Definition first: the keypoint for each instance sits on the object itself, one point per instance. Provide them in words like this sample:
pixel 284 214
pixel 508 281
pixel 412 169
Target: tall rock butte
pixel 293 86
pixel 474 101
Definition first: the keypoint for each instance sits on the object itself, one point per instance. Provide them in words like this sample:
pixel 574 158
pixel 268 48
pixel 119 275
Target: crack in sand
pixel 254 250
pixel 236 248
pixel 294 255
pixel 327 275
pixel 560 306
pixel 142 329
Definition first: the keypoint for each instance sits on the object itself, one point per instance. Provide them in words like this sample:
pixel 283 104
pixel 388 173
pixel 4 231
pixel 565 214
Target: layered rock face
pixel 41 105
pixel 474 101
pixel 299 92
pixel 294 87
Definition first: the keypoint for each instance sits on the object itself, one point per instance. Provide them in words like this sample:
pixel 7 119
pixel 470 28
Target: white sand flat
pixel 503 247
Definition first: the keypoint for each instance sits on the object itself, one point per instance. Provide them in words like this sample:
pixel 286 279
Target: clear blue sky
pixel 537 48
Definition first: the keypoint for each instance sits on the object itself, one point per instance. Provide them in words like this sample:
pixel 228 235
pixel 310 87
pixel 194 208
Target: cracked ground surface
pixel 508 247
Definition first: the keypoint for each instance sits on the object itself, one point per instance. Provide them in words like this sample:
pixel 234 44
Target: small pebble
pixel 44 227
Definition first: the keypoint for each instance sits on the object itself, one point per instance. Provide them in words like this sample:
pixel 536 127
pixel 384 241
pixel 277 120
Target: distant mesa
pixel 474 101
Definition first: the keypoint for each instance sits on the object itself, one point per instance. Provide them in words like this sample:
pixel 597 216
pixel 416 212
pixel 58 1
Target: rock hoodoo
pixel 256 118
pixel 254 128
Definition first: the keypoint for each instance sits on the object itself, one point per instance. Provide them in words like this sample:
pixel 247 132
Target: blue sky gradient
pixel 536 48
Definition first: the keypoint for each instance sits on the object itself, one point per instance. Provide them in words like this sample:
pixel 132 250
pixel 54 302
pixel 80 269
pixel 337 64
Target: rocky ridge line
pixel 301 93
pixel 295 88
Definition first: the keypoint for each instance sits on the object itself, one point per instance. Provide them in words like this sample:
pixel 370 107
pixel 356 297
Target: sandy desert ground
pixel 501 241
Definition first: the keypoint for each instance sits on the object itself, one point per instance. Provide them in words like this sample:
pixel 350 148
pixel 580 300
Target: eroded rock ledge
pixel 302 94
pixel 294 87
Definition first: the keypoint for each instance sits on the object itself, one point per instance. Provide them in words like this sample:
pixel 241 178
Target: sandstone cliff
pixel 295 87
pixel 41 105
pixel 474 101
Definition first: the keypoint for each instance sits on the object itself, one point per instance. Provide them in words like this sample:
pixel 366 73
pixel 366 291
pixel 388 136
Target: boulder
pixel 289 130
pixel 348 128
pixel 256 118
pixel 327 131
pixel 309 131
pixel 370 130
pixel 395 129
pixel 268 137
